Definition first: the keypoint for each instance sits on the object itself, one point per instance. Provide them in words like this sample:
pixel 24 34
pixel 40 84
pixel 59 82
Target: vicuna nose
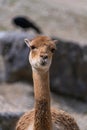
pixel 44 56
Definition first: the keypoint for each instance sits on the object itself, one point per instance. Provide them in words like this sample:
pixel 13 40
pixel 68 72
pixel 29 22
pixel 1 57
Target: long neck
pixel 42 117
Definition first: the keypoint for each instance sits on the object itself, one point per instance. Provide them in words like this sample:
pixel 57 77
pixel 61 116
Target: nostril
pixel 44 56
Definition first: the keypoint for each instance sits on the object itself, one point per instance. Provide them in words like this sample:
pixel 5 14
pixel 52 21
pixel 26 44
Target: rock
pixel 82 68
pixel 15 54
pixel 64 71
pixel 82 73
pixel 17 99
pixel 68 70
pixel 8 121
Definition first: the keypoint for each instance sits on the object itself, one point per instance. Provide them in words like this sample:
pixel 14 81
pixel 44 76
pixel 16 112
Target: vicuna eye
pixel 33 47
pixel 53 50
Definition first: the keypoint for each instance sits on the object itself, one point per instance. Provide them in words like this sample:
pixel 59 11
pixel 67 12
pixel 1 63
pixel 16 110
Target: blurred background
pixel 65 21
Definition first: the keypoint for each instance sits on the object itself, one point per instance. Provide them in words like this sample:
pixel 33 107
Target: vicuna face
pixel 41 52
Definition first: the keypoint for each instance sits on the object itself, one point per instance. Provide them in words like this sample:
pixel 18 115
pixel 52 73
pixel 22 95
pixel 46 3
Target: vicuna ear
pixel 27 42
pixel 55 41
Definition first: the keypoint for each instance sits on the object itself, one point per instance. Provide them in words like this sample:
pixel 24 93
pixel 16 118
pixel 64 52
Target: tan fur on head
pixel 38 39
pixel 41 51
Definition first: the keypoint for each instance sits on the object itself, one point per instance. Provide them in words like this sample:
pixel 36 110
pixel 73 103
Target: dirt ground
pixel 65 19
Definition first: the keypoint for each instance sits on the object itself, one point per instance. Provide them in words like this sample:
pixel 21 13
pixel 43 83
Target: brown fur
pixel 42 117
pixel 61 119
pixel 42 40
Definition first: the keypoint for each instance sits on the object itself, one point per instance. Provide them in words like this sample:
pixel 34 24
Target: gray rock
pixel 15 99
pixel 68 71
pixel 8 120
pixel 64 72
pixel 82 68
pixel 15 54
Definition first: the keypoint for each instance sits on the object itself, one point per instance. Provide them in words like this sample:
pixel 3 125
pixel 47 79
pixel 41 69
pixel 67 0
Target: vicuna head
pixel 41 52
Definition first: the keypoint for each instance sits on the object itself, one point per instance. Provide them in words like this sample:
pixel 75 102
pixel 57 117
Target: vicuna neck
pixel 42 119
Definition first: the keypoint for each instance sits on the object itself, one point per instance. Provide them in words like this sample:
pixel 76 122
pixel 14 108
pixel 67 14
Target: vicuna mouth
pixel 43 63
